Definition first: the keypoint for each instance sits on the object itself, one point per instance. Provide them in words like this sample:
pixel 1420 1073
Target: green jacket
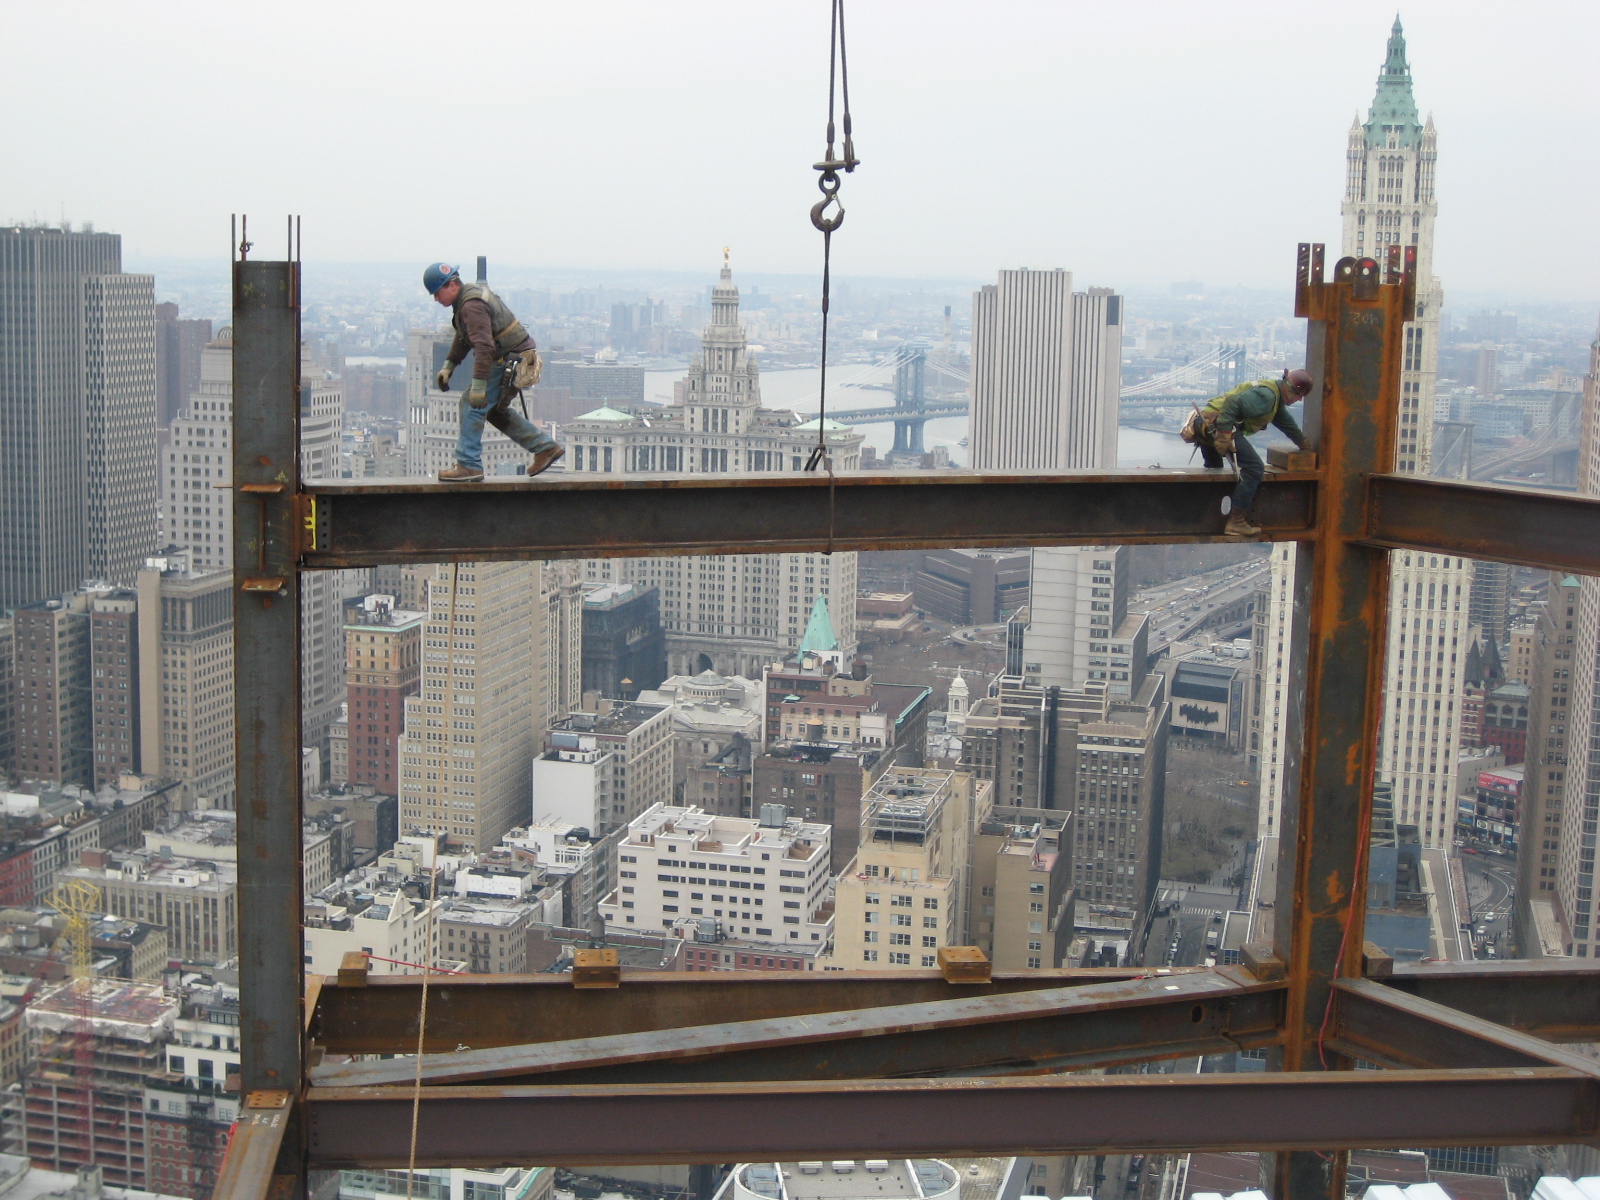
pixel 1251 407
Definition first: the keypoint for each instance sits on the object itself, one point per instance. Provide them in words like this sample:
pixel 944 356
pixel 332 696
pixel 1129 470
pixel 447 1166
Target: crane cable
pixel 828 183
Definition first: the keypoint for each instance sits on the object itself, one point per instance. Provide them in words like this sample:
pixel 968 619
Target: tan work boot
pixel 1239 526
pixel 461 474
pixel 545 459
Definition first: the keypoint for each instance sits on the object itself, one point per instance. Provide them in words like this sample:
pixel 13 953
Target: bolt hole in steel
pixel 1197 1013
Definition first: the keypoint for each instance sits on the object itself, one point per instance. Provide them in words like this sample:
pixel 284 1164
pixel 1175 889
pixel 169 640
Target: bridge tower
pixel 1232 369
pixel 910 395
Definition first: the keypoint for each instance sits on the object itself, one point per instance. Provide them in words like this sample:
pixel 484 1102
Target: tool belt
pixel 1200 427
pixel 520 371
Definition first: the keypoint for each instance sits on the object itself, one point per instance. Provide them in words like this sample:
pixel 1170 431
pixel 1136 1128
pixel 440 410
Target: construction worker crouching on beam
pixel 1248 408
pixel 504 361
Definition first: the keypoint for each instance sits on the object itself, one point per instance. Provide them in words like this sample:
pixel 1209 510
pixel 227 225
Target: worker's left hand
pixel 478 393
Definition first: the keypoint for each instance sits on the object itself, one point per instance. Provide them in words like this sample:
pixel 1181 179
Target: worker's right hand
pixel 443 377
pixel 1223 441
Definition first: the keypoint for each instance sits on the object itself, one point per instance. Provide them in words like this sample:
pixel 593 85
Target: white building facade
pixel 753 882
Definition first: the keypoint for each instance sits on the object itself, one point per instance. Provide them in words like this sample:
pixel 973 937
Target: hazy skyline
pixel 1133 146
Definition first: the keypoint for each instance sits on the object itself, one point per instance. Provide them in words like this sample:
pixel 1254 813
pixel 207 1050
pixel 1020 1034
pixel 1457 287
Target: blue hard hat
pixel 437 275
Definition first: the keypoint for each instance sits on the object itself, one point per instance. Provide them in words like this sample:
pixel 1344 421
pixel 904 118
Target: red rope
pixel 403 963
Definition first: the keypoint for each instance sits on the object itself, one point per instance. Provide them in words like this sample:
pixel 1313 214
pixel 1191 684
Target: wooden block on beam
pixel 1258 959
pixel 964 964
pixel 1375 964
pixel 353 969
pixel 596 969
pixel 1281 458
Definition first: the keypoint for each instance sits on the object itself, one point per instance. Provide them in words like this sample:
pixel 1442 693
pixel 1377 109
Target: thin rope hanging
pixel 828 184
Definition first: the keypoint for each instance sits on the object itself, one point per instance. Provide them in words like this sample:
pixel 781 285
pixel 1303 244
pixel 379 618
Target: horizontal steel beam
pixel 1395 1029
pixel 482 1011
pixel 1056 1028
pixel 1059 1114
pixel 1555 999
pixel 577 516
pixel 1537 528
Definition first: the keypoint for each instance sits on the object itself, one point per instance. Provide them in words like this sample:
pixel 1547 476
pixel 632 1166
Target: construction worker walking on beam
pixel 1248 408
pixel 504 361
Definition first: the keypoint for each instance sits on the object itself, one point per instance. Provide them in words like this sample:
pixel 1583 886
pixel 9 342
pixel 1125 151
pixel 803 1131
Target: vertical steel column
pixel 1353 349
pixel 266 635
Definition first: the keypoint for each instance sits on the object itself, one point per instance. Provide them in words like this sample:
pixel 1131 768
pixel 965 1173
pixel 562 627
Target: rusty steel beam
pixel 1556 999
pixel 250 1170
pixel 1070 1028
pixel 1060 1114
pixel 510 1010
pixel 1394 1029
pixel 266 650
pixel 576 516
pixel 1558 531
pixel 1353 350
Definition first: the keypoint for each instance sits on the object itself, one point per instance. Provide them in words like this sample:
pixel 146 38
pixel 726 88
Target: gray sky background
pixel 1135 143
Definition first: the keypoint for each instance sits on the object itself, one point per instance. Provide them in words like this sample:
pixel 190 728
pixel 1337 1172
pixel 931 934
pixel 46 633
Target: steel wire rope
pixel 828 184
pixel 433 889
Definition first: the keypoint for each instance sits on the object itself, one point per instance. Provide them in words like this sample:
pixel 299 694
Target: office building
pixel 1271 738
pixel 488 934
pixel 386 923
pixel 52 690
pixel 602 769
pixel 186 700
pixel 972 587
pixel 114 685
pixel 724 880
pixel 624 646
pixel 1208 697
pixel 179 343
pixel 194 898
pixel 1491 599
pixel 1121 798
pixel 1022 887
pixel 1019 740
pixel 121 464
pixel 1580 808
pixel 383 666
pixel 904 894
pixel 1079 629
pixel 1046 373
pixel 78 400
pixel 469 734
pixel 1554 689
pixel 716 725
pixel 8 700
pixel 731 614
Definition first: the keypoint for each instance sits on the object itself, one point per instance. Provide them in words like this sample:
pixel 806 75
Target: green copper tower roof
pixel 819 630
pixel 1394 108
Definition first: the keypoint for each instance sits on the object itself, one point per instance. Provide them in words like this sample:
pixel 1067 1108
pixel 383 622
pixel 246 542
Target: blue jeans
pixel 498 412
pixel 1251 469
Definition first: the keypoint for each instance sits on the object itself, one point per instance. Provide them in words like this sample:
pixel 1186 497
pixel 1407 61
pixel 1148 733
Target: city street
pixel 1491 888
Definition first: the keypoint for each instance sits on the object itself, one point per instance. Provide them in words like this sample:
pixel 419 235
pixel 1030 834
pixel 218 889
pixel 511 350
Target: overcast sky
pixel 1135 143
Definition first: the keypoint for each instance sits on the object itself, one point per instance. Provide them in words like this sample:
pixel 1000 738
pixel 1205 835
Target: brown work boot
pixel 545 459
pixel 461 474
pixel 1239 526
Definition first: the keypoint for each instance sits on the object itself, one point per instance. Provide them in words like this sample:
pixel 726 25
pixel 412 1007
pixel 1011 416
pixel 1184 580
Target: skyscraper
pixel 1046 374
pixel 196 478
pixel 1389 201
pixel 470 733
pixel 383 664
pixel 186 676
pixel 1080 628
pixel 179 343
pixel 78 407
pixel 1580 808
pixel 732 614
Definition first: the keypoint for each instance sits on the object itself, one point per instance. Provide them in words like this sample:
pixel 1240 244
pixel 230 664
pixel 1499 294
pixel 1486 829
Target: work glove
pixel 1223 441
pixel 478 393
pixel 443 377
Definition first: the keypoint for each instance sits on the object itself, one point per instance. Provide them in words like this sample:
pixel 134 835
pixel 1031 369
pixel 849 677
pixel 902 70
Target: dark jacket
pixel 485 326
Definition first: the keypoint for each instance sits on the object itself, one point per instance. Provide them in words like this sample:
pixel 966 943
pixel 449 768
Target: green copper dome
pixel 819 630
